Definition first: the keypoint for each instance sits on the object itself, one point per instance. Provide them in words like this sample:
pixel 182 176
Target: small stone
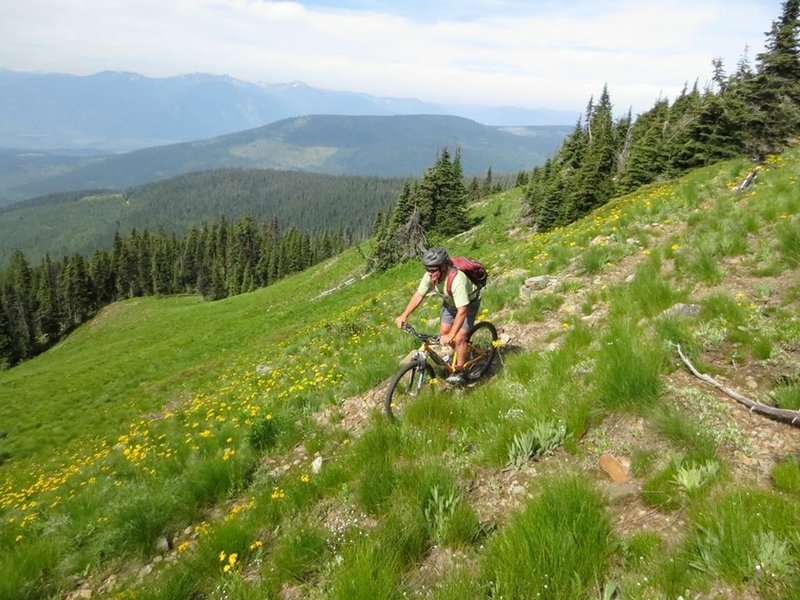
pixel 145 571
pixel 316 466
pixel 537 283
pixel 681 309
pixel 162 544
pixel 263 369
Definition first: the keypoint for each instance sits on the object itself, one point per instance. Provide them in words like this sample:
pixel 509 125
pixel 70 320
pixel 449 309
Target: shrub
pixel 263 434
pixel 543 438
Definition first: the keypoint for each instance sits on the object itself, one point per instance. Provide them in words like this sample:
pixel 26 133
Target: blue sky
pixel 534 54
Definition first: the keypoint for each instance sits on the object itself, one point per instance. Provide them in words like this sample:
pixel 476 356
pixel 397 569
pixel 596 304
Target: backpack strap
pixel 451 274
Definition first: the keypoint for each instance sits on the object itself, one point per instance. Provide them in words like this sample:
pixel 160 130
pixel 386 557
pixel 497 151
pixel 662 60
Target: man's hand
pixel 446 339
pixel 400 321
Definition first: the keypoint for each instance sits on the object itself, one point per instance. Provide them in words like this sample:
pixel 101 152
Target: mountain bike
pixel 416 377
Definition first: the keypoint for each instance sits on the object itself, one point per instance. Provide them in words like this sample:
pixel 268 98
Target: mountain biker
pixel 459 309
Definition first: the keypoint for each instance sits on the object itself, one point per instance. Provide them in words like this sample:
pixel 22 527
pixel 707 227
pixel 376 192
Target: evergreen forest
pixel 40 304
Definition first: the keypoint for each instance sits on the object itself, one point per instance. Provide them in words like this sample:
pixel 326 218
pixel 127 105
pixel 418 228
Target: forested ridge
pixel 64 223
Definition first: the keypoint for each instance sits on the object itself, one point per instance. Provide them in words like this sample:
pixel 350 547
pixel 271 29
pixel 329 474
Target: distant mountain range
pixel 382 146
pixel 119 112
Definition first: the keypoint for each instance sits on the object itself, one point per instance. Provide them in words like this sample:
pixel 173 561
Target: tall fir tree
pixel 774 92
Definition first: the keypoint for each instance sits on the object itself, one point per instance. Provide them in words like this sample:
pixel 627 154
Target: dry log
pixel 792 417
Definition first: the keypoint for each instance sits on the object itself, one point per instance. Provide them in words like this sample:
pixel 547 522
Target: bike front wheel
pixel 483 342
pixel 411 381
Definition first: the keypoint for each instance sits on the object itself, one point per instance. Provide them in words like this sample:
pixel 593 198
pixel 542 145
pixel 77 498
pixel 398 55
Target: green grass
pixel 786 476
pixel 744 536
pixel 558 547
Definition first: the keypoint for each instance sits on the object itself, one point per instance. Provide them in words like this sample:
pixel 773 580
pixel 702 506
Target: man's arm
pixel 415 301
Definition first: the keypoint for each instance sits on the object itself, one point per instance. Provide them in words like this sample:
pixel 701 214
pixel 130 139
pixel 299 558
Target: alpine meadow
pixel 198 413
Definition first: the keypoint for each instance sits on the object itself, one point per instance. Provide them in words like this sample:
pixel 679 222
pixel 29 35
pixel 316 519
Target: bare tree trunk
pixel 792 417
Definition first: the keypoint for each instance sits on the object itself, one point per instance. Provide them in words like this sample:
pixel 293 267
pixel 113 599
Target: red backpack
pixel 474 271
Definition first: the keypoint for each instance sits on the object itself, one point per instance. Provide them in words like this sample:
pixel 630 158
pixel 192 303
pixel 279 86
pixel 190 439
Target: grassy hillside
pixel 168 448
pixel 399 146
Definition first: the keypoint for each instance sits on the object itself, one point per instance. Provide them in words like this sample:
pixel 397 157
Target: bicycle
pixel 409 381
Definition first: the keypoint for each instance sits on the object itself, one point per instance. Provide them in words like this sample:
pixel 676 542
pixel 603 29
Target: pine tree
pixel 593 184
pixel 76 293
pixel 19 305
pixel 8 355
pixel 101 272
pixel 775 90
pixel 48 312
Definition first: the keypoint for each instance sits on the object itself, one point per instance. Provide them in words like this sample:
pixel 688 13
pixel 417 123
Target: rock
pixel 630 278
pixel 681 309
pixel 162 545
pixel 614 468
pixel 537 283
pixel 316 466
pixel 263 369
pixel 517 489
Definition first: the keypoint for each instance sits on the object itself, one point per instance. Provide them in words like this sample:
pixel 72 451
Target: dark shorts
pixel 449 313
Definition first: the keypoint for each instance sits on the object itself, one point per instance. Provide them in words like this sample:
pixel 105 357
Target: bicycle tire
pixel 398 392
pixel 477 336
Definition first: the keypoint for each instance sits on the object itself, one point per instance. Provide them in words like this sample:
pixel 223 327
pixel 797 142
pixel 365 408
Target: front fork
pixel 419 375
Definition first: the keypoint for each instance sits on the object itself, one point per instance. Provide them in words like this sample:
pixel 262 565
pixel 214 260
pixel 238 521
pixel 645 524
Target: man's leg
pixel 461 348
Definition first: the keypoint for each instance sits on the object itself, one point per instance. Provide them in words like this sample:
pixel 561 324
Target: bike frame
pixel 428 352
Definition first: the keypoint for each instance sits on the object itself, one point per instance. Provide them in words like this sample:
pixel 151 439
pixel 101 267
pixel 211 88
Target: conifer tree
pixel 77 293
pixel 48 309
pixel 8 355
pixel 19 304
pixel 775 90
pixel 593 183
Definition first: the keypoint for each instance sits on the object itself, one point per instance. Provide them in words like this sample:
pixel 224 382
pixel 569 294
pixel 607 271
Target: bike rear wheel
pixel 482 340
pixel 411 381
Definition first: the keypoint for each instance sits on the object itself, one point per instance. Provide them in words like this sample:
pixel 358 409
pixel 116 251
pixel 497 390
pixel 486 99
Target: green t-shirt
pixel 464 290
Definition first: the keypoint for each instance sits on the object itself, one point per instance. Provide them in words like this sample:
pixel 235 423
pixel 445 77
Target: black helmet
pixel 435 257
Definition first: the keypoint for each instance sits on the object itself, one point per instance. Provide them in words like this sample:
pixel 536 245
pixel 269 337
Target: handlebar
pixel 421 336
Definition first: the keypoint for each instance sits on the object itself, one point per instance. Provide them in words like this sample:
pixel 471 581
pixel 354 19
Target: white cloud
pixel 531 54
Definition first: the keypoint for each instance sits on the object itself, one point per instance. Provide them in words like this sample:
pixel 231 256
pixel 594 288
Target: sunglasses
pixel 434 270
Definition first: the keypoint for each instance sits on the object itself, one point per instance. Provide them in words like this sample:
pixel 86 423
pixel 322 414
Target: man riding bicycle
pixel 461 301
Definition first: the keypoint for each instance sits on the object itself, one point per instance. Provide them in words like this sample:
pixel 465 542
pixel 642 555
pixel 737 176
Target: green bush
pixel 263 434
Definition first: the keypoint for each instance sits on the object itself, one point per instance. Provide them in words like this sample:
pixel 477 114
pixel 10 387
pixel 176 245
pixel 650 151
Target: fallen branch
pixel 779 414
